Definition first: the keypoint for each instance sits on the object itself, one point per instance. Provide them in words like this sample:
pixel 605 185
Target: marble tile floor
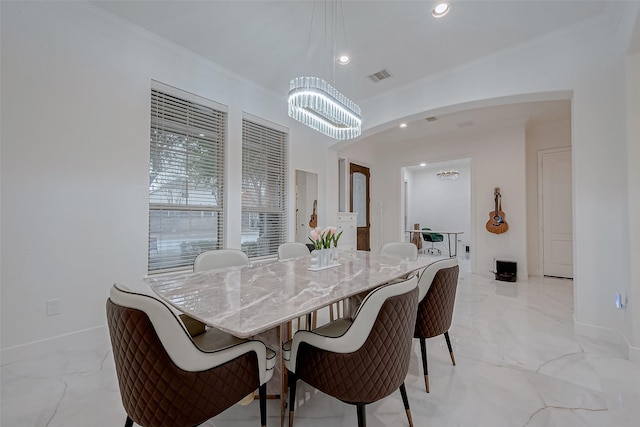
pixel 519 363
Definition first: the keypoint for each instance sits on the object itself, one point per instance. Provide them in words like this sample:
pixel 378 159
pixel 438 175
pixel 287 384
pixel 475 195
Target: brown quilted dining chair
pixel 358 361
pixel 437 286
pixel 167 378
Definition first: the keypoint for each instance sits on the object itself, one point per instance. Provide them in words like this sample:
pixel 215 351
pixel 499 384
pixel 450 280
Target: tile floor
pixel 519 363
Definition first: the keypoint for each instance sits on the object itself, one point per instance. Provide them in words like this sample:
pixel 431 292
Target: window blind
pixel 186 180
pixel 264 188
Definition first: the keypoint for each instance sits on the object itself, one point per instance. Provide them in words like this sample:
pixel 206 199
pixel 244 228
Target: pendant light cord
pixel 330 28
pixel 306 64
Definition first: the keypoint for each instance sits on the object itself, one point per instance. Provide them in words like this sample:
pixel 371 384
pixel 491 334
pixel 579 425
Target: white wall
pixel 542 136
pixel 631 315
pixel 75 158
pixel 440 205
pixel 588 62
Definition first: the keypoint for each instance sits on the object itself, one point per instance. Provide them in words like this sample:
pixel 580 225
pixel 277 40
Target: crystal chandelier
pixel 315 103
pixel 320 106
pixel 448 174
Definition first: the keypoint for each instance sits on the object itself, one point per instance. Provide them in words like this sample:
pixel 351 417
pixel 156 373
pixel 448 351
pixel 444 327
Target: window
pixel 186 177
pixel 264 188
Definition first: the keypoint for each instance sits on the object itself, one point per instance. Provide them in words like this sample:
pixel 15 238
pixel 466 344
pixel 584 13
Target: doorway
pixel 439 203
pixel 306 204
pixel 557 213
pixel 360 204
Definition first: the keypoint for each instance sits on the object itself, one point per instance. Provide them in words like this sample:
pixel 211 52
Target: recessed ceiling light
pixel 441 9
pixel 403 125
pixel 344 59
pixel 423 164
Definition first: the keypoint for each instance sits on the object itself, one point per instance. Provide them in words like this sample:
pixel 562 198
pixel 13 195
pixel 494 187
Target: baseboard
pixel 84 339
pixel 609 335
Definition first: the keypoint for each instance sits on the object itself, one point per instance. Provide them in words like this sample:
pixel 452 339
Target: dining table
pixel 249 300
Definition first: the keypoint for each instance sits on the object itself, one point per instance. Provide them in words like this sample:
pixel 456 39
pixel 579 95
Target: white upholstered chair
pixel 400 250
pixel 209 260
pixel 292 250
pixel 220 258
pixel 167 377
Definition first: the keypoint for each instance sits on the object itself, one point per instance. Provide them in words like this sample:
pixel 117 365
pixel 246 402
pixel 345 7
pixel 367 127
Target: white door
pixel 557 217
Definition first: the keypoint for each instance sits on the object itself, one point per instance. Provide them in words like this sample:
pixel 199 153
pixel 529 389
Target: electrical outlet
pixel 53 306
pixel 621 301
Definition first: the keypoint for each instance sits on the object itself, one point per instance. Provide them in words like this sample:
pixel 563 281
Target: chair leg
pixel 262 391
pixel 338 311
pixel 362 415
pixel 128 422
pixel 446 337
pixel 423 349
pixel 405 400
pixel 292 396
pixel 308 326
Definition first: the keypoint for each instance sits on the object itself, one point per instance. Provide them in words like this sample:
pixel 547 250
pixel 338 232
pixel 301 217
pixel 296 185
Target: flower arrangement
pixel 324 239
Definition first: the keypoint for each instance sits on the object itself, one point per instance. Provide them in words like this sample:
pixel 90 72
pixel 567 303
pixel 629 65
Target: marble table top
pixel 247 300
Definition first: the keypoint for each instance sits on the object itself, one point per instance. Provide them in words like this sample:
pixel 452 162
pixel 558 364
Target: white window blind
pixel 264 188
pixel 186 179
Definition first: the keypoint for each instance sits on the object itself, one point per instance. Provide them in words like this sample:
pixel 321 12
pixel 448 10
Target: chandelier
pixel 315 103
pixel 448 174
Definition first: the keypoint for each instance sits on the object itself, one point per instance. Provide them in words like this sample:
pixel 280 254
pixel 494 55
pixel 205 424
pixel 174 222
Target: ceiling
pixel 471 120
pixel 271 42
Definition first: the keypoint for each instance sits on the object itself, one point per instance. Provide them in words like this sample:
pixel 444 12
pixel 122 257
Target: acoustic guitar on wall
pixel 313 221
pixel 497 223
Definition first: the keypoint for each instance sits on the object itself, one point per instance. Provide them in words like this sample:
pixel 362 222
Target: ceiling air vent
pixel 431 119
pixel 380 75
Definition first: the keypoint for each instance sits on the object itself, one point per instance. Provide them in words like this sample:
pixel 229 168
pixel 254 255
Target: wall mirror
pixel 306 204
